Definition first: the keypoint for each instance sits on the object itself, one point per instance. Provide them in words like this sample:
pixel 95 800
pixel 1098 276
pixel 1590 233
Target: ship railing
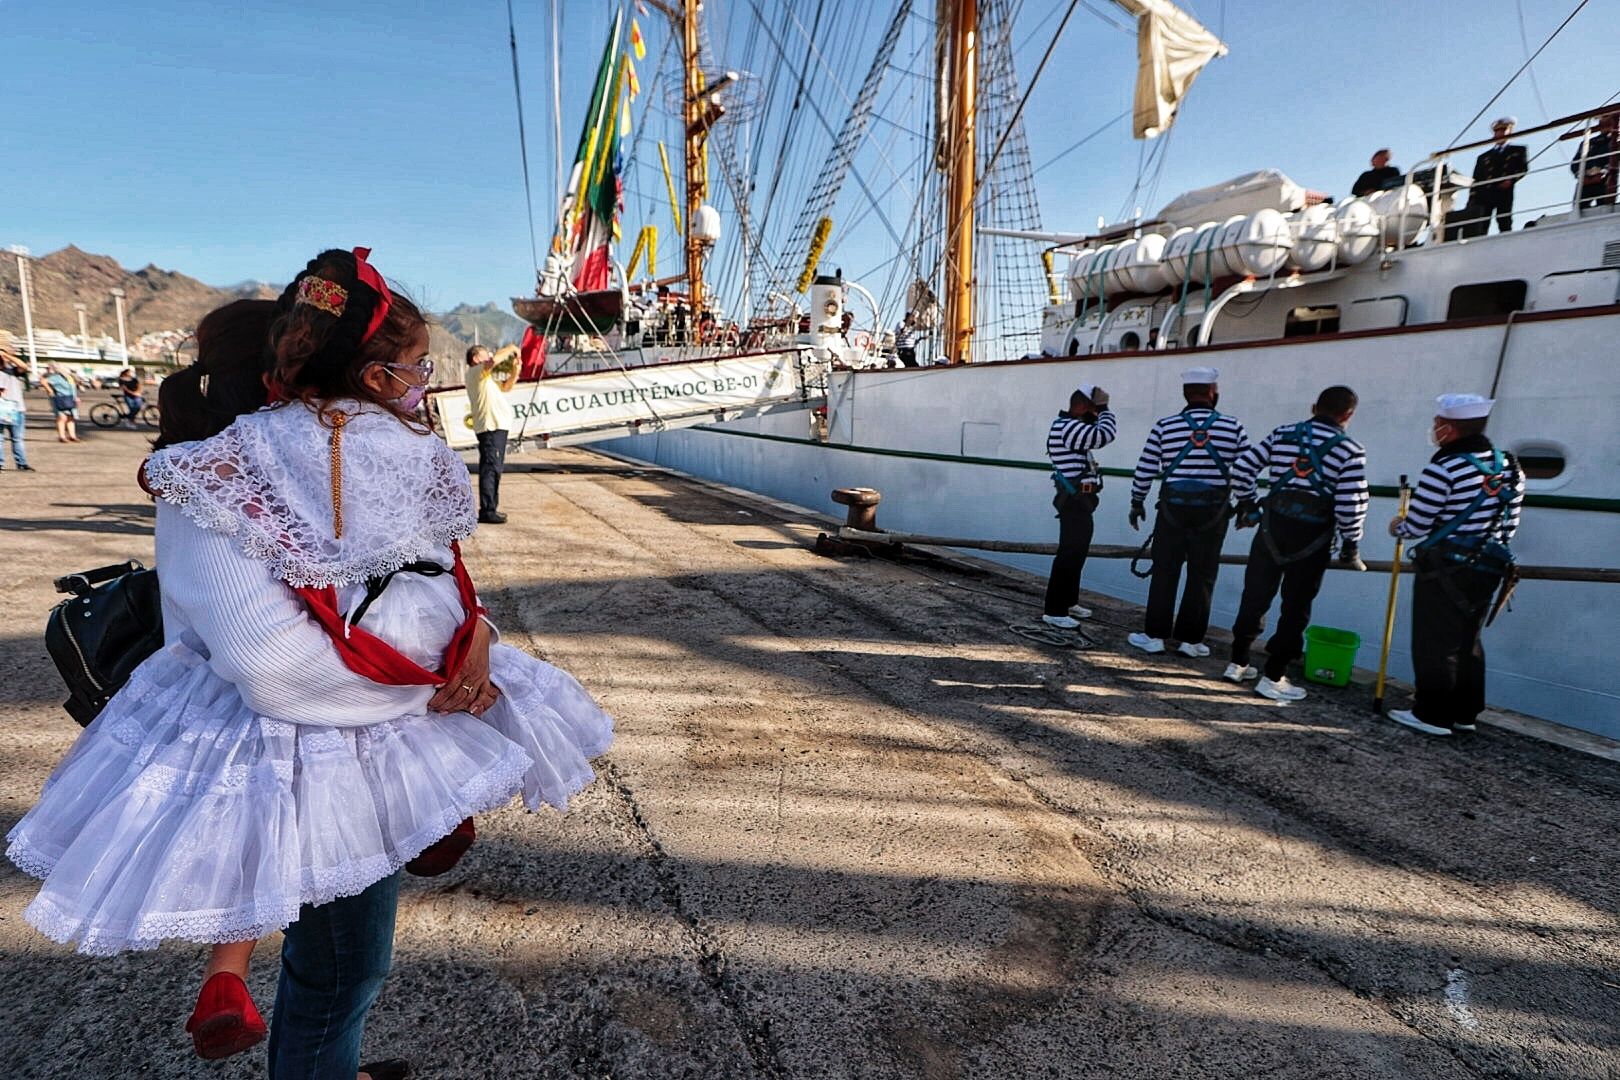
pixel 1441 185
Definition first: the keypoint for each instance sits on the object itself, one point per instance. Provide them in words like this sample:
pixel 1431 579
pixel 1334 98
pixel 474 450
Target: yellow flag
pixel 635 83
pixel 637 45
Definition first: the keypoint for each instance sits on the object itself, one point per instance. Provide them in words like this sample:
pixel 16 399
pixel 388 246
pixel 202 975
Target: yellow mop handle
pixel 1389 612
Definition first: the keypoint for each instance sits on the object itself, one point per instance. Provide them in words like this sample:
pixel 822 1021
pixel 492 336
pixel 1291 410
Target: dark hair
pixel 1335 401
pixel 1464 428
pixel 474 350
pixel 1192 392
pixel 227 378
pixel 318 356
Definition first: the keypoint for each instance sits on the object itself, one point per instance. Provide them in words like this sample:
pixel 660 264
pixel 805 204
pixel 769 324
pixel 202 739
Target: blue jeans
pixel 14 432
pixel 333 963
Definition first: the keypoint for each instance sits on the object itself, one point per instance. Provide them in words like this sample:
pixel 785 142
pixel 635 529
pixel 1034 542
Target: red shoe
pixel 442 855
pixel 225 1021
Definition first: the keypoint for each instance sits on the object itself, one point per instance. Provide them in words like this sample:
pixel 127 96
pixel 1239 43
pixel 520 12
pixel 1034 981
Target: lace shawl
pixel 267 480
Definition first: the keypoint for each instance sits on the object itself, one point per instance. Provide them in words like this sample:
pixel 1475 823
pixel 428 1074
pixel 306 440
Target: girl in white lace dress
pixel 286 748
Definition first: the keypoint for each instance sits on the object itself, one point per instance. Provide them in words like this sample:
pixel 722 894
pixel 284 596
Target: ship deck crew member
pixel 1463 515
pixel 1086 425
pixel 492 418
pixel 1191 454
pixel 1318 487
pixel 1598 164
pixel 1495 173
pixel 905 343
pixel 1380 177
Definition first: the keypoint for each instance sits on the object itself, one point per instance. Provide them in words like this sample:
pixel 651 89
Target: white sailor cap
pixel 1200 376
pixel 1463 406
pixel 1505 121
pixel 1086 390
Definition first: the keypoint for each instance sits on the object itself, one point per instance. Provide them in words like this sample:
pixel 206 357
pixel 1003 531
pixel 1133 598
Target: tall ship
pixel 1399 293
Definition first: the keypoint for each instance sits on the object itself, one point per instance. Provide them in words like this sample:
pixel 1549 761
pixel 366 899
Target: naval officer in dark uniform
pixel 1463 516
pixel 1381 177
pixel 1087 424
pixel 1191 453
pixel 1495 173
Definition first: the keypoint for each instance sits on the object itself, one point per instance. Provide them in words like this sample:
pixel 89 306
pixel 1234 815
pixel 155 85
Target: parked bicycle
pixel 109 414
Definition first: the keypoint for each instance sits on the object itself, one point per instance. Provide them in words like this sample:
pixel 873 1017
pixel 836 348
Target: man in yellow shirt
pixel 491 416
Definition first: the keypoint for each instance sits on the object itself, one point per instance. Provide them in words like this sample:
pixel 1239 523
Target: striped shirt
pixel 1344 471
pixel 1070 441
pixel 902 336
pixel 1448 487
pixel 1171 433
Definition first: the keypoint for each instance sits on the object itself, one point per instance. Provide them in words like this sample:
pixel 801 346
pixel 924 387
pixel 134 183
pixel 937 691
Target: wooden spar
pixel 696 134
pixel 1599 575
pixel 959 130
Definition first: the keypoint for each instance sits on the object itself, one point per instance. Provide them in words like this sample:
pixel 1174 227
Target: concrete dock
pixel 853 826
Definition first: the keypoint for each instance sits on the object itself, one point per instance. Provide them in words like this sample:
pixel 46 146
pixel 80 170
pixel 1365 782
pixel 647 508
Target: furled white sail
pixel 1171 49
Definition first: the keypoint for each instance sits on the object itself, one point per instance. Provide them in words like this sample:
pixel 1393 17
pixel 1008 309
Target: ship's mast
pixel 696 133
pixel 958 129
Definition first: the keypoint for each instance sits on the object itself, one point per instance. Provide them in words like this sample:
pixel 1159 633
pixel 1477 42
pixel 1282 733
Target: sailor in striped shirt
pixel 1192 454
pixel 1463 515
pixel 1318 486
pixel 1086 425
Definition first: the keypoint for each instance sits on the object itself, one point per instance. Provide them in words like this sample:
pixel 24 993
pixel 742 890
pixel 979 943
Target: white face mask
pixel 1436 440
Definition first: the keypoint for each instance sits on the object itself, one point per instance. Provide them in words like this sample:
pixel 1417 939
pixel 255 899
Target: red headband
pixel 368 275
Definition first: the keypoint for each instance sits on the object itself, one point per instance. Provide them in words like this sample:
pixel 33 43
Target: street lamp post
pixel 123 338
pixel 28 311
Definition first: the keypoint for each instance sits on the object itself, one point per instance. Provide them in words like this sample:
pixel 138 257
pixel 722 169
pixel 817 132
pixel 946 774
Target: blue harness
pixel 1483 551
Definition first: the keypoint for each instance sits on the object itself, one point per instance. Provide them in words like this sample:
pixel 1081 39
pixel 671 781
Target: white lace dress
pixel 244 770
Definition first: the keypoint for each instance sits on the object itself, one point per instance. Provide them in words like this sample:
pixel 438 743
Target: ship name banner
pixel 655 394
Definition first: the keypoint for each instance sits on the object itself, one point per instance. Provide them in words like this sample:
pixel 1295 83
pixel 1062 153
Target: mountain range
pixel 158 300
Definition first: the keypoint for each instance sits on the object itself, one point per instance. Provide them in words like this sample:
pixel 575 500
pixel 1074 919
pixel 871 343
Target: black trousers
pixel 1299 582
pixel 1075 527
pixel 1492 200
pixel 491 460
pixel 1448 659
pixel 907 356
pixel 1196 543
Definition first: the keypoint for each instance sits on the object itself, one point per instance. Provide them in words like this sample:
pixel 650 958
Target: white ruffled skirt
pixel 180 813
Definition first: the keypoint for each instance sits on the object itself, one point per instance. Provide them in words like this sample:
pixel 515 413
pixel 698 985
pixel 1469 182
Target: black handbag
pixel 99 635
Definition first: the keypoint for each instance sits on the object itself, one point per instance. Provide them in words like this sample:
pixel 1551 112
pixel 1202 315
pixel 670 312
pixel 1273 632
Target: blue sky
pixel 232 140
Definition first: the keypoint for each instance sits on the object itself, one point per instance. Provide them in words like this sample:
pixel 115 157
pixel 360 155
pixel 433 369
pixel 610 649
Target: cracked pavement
pixel 854 827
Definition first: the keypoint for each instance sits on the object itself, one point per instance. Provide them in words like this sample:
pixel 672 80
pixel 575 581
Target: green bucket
pixel 1330 654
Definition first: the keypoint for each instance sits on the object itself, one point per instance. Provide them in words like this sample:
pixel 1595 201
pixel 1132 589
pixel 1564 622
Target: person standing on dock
pixel 1086 425
pixel 491 417
pixel 1318 486
pixel 1463 515
pixel 1191 454
pixel 1495 173
pixel 14 417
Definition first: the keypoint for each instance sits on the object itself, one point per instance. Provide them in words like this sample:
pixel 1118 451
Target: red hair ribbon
pixel 368 274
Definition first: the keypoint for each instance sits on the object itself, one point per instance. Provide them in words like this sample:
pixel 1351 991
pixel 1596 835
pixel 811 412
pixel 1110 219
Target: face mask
pixel 411 398
pixel 1438 440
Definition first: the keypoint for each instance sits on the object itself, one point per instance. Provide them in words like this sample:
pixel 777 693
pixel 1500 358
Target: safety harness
pixel 1445 553
pixel 1312 505
pixel 1195 496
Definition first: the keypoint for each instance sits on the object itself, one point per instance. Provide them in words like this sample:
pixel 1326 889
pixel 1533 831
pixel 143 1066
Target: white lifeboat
pixel 1316 237
pixel 1358 231
pixel 1403 212
pixel 1145 272
pixel 1185 256
pixel 1255 244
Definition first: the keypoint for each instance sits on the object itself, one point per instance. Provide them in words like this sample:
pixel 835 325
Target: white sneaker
pixel 1195 649
pixel 1279 690
pixel 1239 674
pixel 1062 622
pixel 1407 717
pixel 1080 612
pixel 1147 644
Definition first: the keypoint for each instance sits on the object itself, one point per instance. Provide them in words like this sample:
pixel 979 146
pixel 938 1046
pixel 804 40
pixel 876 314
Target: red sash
pixel 370 656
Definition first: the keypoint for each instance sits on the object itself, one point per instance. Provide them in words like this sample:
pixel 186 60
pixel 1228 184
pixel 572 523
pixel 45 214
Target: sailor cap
pixel 1463 406
pixel 1505 121
pixel 1086 390
pixel 1200 376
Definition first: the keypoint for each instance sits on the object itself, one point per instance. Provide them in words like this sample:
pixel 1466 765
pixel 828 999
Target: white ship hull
pixel 960 451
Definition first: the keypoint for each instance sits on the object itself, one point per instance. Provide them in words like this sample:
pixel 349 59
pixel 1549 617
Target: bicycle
pixel 109 414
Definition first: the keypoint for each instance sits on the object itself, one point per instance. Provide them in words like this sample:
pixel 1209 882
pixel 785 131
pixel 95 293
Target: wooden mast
pixel 959 129
pixel 697 130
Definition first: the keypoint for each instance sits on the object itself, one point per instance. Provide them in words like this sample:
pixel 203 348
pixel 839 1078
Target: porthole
pixel 1540 461
pixel 1131 342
